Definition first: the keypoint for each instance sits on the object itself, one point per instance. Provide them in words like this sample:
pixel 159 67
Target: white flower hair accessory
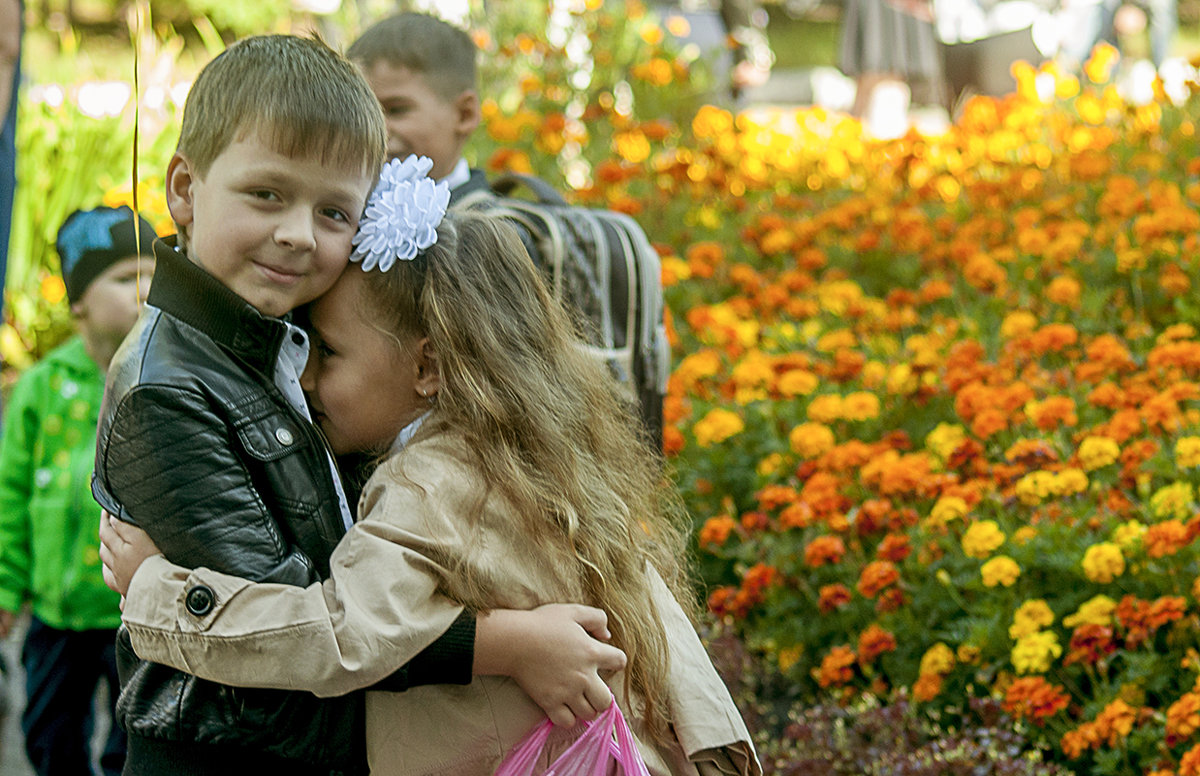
pixel 402 214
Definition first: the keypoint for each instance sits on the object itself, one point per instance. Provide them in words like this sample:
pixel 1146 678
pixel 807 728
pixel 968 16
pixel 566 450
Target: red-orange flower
pixel 1034 698
pixel 875 576
pixel 823 550
pixel 837 667
pixel 833 597
pixel 873 642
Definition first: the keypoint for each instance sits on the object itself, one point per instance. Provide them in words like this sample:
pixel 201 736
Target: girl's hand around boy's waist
pixel 123 547
pixel 556 653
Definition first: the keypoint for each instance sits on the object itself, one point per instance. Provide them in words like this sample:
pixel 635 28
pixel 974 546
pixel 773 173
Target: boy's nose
pixel 295 230
pixel 308 378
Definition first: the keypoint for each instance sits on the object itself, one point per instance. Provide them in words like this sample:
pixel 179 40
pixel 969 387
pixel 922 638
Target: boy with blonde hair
pixel 205 440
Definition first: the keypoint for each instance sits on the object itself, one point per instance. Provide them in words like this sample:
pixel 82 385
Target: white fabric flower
pixel 402 214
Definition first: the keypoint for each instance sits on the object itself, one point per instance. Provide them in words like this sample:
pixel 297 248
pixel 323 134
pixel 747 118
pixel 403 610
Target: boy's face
pixel 363 387
pixel 419 120
pixel 110 305
pixel 275 229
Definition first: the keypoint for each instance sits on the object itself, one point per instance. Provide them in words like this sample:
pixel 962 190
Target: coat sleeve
pixel 379 609
pixel 192 492
pixel 16 481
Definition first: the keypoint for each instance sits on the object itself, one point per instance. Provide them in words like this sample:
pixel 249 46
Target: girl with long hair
pixel 511 475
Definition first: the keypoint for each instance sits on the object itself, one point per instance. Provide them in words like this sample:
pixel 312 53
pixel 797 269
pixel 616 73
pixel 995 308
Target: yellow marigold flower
pixel 982 538
pixel 674 269
pixel 968 653
pixel 825 408
pixel 1103 562
pixel 1018 324
pixel 1187 452
pixel 1034 653
pixel 901 381
pixel 797 382
pixel 873 374
pixel 1096 452
pixel 1030 617
pixel 789 656
pixel 696 367
pixel 769 464
pixel 717 426
pixel 1097 610
pixel 946 509
pixel 860 405
pixel 836 340
pixel 1000 570
pixel 1024 534
pixel 938 659
pixel 811 440
pixel 53 289
pixel 1174 500
pixel 1069 482
pixel 945 439
pixel 1034 487
pixel 1128 534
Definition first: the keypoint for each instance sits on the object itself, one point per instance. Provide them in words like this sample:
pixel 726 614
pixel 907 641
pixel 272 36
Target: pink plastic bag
pixel 606 739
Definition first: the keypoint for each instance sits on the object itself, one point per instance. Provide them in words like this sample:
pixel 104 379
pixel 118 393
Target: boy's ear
pixel 429 371
pixel 466 106
pixel 180 177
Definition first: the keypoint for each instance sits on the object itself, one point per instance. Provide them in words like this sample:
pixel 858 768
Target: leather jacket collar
pixel 198 299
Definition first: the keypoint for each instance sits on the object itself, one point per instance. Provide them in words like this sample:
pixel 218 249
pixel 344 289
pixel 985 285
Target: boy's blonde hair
pixel 439 51
pixel 548 428
pixel 304 97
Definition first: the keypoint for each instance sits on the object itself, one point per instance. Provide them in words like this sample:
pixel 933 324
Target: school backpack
pixel 602 265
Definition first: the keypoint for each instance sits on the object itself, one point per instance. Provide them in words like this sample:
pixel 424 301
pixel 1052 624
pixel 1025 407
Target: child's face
pixel 419 120
pixel 110 305
pixel 273 228
pixel 362 384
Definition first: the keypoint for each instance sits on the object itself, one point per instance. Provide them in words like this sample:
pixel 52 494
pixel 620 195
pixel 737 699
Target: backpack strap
pixel 506 184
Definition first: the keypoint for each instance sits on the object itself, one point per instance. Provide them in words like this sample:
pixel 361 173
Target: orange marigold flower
pixel 1165 538
pixel 873 642
pixel 837 667
pixel 833 597
pixel 875 576
pixel 1189 764
pixel 894 547
pixel 823 550
pixel 1183 718
pixel 716 530
pixel 927 687
pixel 1034 698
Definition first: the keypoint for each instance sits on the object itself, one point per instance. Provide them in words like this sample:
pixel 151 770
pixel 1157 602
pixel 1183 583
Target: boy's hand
pixel 6 622
pixel 123 547
pixel 552 652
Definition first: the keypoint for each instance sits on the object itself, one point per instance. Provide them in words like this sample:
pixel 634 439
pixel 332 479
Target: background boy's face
pixel 275 229
pixel 420 120
pixel 110 305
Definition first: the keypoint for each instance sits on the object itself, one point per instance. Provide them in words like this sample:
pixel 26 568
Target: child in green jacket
pixel 48 551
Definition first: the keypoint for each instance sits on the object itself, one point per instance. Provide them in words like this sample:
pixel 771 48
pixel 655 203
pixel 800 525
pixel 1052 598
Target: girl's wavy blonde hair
pixel 548 428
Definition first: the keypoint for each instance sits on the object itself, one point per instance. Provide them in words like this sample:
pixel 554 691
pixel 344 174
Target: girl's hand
pixel 123 547
pixel 553 653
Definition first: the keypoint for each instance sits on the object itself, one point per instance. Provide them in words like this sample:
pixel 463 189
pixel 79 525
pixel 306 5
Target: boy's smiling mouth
pixel 278 274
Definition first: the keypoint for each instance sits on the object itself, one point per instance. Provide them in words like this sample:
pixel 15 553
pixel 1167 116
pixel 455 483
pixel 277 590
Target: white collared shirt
pixel 459 175
pixel 293 355
pixel 406 434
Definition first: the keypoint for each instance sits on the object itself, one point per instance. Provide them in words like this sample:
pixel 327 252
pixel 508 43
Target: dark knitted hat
pixel 90 241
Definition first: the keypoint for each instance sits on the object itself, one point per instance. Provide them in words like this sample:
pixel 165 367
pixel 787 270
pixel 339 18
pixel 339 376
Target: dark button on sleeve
pixel 200 600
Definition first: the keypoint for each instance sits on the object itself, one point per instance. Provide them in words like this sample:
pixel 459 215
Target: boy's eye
pixel 336 214
pixel 323 350
pixel 264 194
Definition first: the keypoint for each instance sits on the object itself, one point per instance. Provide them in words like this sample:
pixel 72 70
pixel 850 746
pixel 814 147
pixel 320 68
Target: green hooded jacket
pixel 49 552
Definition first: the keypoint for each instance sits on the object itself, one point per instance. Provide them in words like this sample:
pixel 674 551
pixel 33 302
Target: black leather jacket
pixel 198 446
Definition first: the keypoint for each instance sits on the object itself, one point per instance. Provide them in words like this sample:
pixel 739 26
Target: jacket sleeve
pixel 192 493
pixel 381 607
pixel 16 482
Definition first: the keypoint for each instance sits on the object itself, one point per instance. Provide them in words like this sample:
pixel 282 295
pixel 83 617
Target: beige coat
pixel 391 594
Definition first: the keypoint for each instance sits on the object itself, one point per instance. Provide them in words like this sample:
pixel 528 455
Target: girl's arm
pixel 379 610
